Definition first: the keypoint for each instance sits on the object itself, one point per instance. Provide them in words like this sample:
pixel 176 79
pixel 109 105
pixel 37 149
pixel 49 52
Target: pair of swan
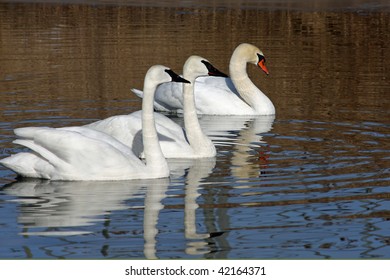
pixel 109 149
pixel 215 96
pixel 82 153
pixel 174 142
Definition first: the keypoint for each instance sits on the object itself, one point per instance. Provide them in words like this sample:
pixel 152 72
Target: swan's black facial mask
pixel 212 70
pixel 176 78
pixel 261 63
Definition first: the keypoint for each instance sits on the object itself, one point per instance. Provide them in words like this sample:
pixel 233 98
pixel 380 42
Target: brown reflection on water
pixel 322 64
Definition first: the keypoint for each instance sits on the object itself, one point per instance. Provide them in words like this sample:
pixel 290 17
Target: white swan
pixel 217 96
pixel 175 143
pixel 81 153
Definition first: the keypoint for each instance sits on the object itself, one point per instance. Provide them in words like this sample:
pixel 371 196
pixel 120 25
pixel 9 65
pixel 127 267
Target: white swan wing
pixel 213 96
pixel 73 153
pixel 128 130
pixel 156 105
pixel 123 128
pixel 168 97
pixel 218 96
pixel 172 138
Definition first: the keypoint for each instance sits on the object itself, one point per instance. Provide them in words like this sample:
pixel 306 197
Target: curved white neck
pixel 153 154
pixel 252 95
pixel 199 142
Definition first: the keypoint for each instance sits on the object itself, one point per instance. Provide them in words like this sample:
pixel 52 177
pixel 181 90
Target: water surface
pixel 311 182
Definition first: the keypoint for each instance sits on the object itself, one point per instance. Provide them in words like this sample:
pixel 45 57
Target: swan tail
pixel 29 132
pixel 44 153
pixel 30 138
pixel 37 139
pixel 138 92
pixel 37 164
pixel 28 165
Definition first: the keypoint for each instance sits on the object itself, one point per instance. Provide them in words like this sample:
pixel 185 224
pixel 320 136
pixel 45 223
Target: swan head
pixel 251 54
pixel 159 74
pixel 196 66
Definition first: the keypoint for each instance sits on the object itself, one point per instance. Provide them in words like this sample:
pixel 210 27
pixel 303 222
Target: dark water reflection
pixel 313 182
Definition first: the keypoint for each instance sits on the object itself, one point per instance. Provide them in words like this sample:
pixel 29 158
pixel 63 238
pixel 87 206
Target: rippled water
pixel 313 182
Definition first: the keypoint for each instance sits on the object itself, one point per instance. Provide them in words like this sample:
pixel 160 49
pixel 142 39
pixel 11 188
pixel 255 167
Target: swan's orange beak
pixel 261 64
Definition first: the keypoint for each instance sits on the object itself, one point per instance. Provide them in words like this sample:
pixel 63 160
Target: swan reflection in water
pixel 60 208
pixel 66 208
pixel 243 134
pixel 50 208
pixel 239 137
pixel 196 171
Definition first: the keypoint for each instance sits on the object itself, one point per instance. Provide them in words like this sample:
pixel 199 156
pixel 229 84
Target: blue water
pixel 268 195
